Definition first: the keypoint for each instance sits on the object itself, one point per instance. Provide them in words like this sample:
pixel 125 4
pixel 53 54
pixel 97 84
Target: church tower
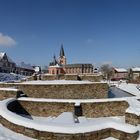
pixel 62 58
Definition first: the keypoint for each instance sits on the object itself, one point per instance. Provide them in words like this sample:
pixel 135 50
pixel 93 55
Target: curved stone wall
pixel 96 135
pixel 32 107
pixel 91 108
pixel 25 128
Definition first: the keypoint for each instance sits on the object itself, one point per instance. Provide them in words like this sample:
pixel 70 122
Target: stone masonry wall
pixel 92 78
pixel 71 77
pixel 7 94
pixel 71 91
pixel 75 91
pixel 94 110
pixel 132 118
pixel 96 135
pixel 53 77
pixel 104 109
pixel 89 110
pixel 46 109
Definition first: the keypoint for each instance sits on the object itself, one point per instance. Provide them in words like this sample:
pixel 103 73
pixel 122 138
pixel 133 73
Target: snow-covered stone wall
pixel 93 109
pixel 46 109
pixel 84 130
pixel 100 129
pixel 8 93
pixel 104 109
pixel 63 91
pixel 94 135
pixel 93 78
pixel 54 77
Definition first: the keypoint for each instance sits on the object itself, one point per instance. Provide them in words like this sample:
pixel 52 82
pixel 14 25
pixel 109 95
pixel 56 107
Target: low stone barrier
pixel 53 77
pixel 104 109
pixel 71 77
pixel 92 78
pixel 50 107
pixel 63 91
pixel 132 118
pixel 132 114
pixel 42 109
pixel 6 93
pixel 43 135
pixel 93 109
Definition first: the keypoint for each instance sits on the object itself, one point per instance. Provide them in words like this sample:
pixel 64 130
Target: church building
pixel 60 66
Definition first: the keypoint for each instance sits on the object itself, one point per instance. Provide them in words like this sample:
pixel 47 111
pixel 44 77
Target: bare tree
pixel 106 69
pixel 45 69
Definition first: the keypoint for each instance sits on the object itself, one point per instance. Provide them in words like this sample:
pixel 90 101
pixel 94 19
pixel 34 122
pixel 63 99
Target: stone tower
pixel 62 58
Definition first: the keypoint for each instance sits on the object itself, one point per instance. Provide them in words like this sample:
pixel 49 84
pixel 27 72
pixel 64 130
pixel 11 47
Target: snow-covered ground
pixel 130 88
pixel 11 77
pixel 117 122
pixel 6 134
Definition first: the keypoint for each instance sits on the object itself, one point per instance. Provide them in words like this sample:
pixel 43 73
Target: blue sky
pixel 92 31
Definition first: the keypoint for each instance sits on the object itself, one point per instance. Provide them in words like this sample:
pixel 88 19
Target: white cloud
pixel 6 40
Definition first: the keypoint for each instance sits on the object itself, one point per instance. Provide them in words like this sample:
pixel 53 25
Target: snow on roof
pixel 72 128
pixel 25 66
pixel 136 69
pixel 120 69
pixel 10 60
pixel 37 68
pixel 55 66
pixel 2 54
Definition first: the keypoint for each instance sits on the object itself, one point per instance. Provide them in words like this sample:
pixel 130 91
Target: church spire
pixel 54 60
pixel 62 51
pixel 62 58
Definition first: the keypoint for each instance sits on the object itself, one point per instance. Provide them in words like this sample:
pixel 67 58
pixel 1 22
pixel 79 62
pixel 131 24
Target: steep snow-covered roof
pixel 2 54
pixel 136 69
pixel 25 66
pixel 120 69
